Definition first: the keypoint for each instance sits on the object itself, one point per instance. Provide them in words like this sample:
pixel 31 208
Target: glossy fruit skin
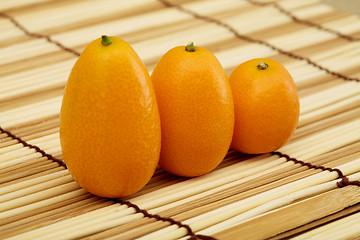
pixel 266 106
pixel 110 125
pixel 196 111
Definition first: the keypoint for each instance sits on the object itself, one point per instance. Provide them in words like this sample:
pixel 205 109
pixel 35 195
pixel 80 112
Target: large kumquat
pixel 266 106
pixel 110 125
pixel 196 110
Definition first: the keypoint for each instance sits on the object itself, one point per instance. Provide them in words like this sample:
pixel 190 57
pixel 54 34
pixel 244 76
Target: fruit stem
pixel 262 65
pixel 190 47
pixel 106 40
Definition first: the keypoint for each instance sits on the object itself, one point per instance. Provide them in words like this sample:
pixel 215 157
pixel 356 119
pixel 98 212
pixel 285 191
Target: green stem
pixel 106 40
pixel 262 66
pixel 190 47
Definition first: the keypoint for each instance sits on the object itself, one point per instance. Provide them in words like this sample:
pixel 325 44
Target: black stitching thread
pixel 38 35
pixel 344 180
pixel 165 219
pixel 343 183
pixel 36 148
pixel 258 41
pixel 129 204
pixel 303 21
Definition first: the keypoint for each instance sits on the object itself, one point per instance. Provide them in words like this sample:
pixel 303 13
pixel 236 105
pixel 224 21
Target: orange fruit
pixel 266 106
pixel 110 124
pixel 196 110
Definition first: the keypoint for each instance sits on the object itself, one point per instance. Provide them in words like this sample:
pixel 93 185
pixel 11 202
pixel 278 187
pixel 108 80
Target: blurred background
pixel 345 5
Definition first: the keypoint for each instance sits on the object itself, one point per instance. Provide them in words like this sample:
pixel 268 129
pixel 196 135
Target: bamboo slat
pixel 294 215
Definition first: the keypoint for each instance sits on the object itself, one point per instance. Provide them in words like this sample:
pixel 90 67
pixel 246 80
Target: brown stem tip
pixel 262 66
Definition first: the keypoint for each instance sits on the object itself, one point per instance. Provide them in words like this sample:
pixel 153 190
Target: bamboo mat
pixel 308 189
